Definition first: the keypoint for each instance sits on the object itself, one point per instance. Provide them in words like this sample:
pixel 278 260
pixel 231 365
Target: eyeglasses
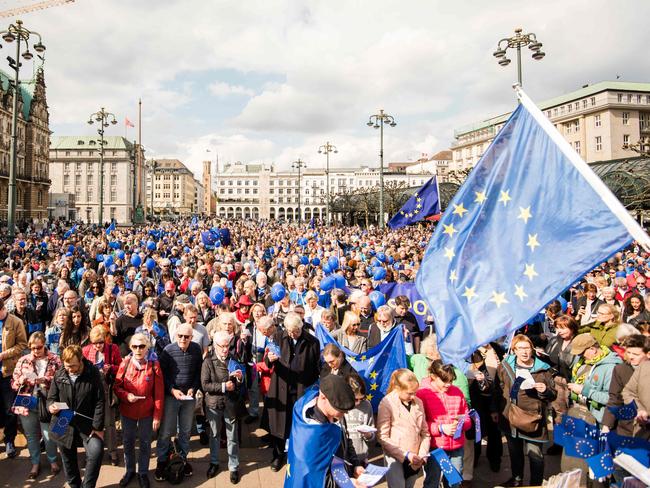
pixel 355 324
pixel 182 336
pixel 99 343
pixel 138 346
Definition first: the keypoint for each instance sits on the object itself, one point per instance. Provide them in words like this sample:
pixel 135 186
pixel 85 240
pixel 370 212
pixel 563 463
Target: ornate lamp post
pixel 326 149
pixel 299 164
pixel 16 32
pixel 104 119
pixel 377 121
pixel 518 41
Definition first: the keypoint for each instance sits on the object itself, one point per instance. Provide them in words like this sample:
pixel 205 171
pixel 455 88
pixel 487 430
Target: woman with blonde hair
pixel 402 430
pixel 154 332
pixel 348 335
pixel 55 330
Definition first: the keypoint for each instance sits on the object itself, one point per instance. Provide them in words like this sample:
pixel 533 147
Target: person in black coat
pixel 334 362
pixel 294 370
pixel 79 385
pixel 38 318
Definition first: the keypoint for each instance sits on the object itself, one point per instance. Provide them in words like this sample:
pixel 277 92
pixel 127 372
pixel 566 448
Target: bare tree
pixel 395 195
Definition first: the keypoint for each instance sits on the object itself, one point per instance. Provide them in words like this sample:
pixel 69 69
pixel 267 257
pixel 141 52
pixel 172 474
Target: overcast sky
pixel 270 81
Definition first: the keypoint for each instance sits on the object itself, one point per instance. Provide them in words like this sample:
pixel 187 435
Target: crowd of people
pixel 159 332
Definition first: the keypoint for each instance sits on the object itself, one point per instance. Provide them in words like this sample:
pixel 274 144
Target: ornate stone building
pixel 32 162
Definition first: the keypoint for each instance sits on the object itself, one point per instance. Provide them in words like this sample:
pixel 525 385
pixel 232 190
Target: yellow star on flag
pixel 519 291
pixel 373 375
pixel 288 470
pixel 532 242
pixel 453 276
pixel 369 397
pixel 498 298
pixel 418 199
pixel 449 253
pixel 524 214
pixel 363 358
pixel 449 229
pixel 373 386
pixel 371 360
pixel 480 197
pixel 459 210
pixel 505 197
pixel 352 359
pixel 530 271
pixel 470 292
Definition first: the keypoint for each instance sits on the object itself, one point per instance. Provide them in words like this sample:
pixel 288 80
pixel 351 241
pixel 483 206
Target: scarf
pixel 241 317
pixel 580 373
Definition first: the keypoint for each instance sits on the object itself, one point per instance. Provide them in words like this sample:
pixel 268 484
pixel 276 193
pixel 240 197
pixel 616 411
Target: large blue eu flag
pixel 311 446
pixel 376 365
pixel 424 203
pixel 529 221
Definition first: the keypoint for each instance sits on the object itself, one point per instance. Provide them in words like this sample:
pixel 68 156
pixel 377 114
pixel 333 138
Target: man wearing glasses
pixel 181 367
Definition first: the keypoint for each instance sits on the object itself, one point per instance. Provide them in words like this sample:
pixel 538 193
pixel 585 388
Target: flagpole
pixel 594 181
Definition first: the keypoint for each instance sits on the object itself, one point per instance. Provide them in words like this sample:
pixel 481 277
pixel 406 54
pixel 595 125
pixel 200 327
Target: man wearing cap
pixel 326 407
pixel 592 374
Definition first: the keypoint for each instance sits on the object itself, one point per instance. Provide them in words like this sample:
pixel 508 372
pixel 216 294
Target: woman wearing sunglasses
pixel 139 386
pixel 34 372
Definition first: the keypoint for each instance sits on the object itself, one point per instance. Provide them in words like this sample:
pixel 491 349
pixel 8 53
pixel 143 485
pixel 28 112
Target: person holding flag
pixel 76 402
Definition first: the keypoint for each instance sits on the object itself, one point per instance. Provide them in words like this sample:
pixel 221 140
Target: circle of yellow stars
pixel 416 210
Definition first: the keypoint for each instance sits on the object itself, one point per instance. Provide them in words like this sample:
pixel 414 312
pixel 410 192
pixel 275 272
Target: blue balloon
pixel 151 245
pixel 100 258
pixel 372 252
pixel 44 245
pixel 217 294
pixel 339 281
pixel 303 241
pixel 375 262
pixel 379 274
pixel 70 248
pixel 120 254
pixel 186 250
pixel 327 283
pixel 114 245
pixel 377 299
pixel 151 264
pixel 108 260
pixel 326 268
pixel 333 261
pixel 21 244
pixel 315 262
pixel 391 259
pixel 278 292
pixel 136 260
pixel 381 257
pixel 80 273
pixel 304 260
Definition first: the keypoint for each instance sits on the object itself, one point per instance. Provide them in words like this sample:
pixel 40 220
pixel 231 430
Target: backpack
pixel 175 469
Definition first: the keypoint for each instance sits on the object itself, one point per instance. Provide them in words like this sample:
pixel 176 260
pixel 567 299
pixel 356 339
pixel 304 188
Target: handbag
pixel 524 420
pixel 44 415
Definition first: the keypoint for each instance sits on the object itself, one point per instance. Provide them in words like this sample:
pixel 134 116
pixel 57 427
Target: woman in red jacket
pixel 139 386
pixel 444 405
pixel 106 358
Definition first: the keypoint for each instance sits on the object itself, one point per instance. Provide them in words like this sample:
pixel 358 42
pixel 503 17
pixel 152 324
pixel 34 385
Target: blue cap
pixel 620 274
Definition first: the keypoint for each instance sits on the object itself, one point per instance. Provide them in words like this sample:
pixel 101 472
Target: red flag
pixel 128 123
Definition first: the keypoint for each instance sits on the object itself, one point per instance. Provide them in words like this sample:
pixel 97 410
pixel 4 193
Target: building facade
pixel 258 191
pixel 32 170
pixel 75 168
pixel 174 189
pixel 62 206
pixel 199 197
pixel 597 120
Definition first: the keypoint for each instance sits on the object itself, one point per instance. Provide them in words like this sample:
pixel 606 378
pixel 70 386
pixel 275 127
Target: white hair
pixel 292 321
pixel 220 335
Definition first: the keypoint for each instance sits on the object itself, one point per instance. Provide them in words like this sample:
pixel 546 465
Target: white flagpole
pixel 596 183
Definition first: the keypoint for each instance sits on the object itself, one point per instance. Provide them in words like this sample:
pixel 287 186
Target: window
pixel 113 195
pixel 638 99
pixel 620 98
pixel 577 125
pixel 576 145
pixel 577 106
pixel 644 120
pixel 66 167
pixel 626 118
pixel 599 143
pixel 584 103
pixel 89 180
pixel 626 139
pixel 66 180
pixel 593 101
pixel 597 121
pixel 77 180
pixel 569 108
pixel 629 98
pixel 555 111
pixel 113 180
pixel 568 127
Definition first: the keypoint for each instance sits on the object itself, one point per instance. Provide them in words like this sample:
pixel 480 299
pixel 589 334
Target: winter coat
pixel 147 382
pixel 214 375
pixel 85 396
pixel 596 386
pixel 37 314
pixel 346 369
pixel 604 334
pixel 14 342
pixel 620 376
pixel 419 364
pixel 297 373
pixel 561 359
pixel 443 408
pixel 528 400
pixel 638 389
pixel 400 430
pixel 26 367
pixel 112 358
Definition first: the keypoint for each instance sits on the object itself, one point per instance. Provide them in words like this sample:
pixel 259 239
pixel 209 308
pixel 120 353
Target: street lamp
pixel 377 121
pixel 327 148
pixel 299 164
pixel 518 41
pixel 16 32
pixel 104 119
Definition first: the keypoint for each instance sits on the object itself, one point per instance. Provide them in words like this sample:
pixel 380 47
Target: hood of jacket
pixel 538 364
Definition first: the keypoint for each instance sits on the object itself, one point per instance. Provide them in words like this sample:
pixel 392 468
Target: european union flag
pixel 110 228
pixel 448 470
pixel 624 412
pixel 311 446
pixel 62 421
pixel 339 473
pixel 376 365
pixel 581 447
pixel 419 308
pixel 70 231
pixel 602 465
pixel 208 238
pixel 424 203
pixel 531 219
